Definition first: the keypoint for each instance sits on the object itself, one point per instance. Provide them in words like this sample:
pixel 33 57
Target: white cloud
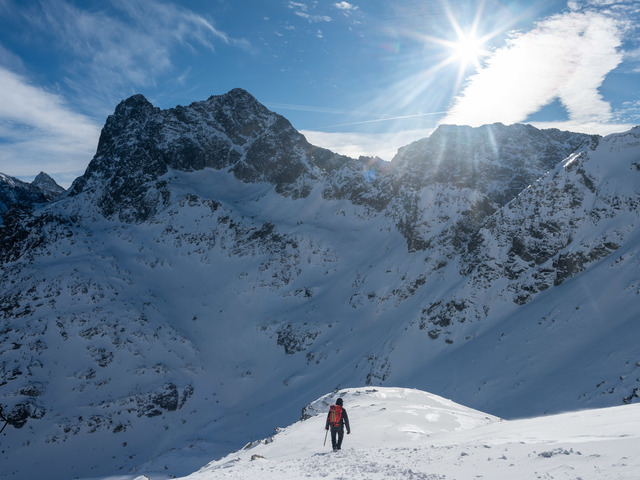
pixel 632 58
pixel 41 133
pixel 314 18
pixel 590 128
pixel 302 12
pixel 565 57
pixel 629 111
pixel 354 144
pixel 345 6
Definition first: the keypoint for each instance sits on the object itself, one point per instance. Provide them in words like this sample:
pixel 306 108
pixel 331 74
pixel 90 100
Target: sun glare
pixel 465 47
pixel 468 49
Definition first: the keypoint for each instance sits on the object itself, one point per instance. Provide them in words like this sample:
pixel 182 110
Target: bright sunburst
pixel 468 49
pixel 465 46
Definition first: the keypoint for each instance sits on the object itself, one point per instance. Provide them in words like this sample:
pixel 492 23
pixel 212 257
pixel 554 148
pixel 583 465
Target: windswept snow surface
pixel 405 433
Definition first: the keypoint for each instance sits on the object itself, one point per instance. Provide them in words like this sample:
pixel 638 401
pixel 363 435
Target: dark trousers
pixel 336 437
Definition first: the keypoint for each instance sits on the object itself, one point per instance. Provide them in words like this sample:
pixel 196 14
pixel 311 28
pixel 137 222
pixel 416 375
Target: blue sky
pixel 359 77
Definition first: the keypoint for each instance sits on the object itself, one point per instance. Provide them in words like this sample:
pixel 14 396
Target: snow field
pixel 404 433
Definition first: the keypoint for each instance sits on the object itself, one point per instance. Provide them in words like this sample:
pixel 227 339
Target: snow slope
pixel 404 433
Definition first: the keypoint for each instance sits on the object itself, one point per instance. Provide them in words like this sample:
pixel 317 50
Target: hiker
pixel 337 419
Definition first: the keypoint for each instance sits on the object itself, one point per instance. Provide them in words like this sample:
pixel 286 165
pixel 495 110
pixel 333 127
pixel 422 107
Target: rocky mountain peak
pixel 238 99
pixel 495 160
pixel 140 143
pixel 136 105
pixel 48 186
pixel 23 195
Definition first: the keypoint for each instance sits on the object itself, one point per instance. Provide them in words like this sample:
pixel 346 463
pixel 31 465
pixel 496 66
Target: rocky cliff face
pixel 212 272
pixel 232 132
pixel 483 168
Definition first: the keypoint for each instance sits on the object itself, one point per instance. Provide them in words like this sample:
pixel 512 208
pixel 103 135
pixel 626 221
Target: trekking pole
pixel 325 437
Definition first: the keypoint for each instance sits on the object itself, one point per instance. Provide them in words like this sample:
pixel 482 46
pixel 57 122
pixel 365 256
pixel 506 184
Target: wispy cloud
pixel 115 54
pixel 39 132
pixel 158 19
pixel 345 6
pixel 106 57
pixel 564 57
pixel 386 119
pixel 302 10
pixel 316 109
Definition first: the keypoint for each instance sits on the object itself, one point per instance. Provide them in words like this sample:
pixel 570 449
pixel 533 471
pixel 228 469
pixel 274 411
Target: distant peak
pixel 48 186
pixel 42 176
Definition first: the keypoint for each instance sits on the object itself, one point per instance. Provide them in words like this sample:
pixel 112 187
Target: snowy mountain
pixel 402 433
pixel 48 186
pixel 14 192
pixel 212 272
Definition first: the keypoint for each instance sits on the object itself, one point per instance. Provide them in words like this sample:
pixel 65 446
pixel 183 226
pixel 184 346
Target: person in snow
pixel 337 419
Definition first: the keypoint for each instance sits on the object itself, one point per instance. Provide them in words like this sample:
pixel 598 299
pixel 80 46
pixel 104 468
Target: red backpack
pixel 335 415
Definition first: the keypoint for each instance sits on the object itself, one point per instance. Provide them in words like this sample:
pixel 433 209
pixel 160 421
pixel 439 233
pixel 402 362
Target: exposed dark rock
pixel 22 412
pixel 295 340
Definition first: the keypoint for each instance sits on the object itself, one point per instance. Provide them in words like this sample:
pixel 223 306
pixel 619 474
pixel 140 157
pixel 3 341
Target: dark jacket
pixel 344 421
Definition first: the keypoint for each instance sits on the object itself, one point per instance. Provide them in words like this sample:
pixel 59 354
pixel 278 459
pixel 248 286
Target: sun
pixel 464 48
pixel 468 49
pixel 465 45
